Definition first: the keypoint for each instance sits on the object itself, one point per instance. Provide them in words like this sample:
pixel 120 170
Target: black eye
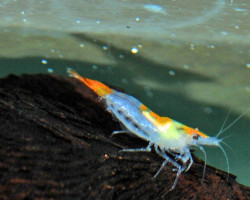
pixel 195 137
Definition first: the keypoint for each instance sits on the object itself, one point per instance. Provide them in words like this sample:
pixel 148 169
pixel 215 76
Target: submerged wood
pixel 56 143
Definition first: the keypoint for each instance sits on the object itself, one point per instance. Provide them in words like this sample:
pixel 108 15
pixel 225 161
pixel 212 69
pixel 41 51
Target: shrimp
pixel 171 140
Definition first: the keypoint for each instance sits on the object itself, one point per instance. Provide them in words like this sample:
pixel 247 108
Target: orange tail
pixel 99 88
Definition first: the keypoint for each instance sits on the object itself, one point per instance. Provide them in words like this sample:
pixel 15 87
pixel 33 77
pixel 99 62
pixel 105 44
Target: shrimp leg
pixel 147 149
pixel 164 162
pixel 118 132
pixel 183 157
pixel 190 158
pixel 162 153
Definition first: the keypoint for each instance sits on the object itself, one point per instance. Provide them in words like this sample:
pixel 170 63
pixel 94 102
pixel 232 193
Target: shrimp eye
pixel 195 137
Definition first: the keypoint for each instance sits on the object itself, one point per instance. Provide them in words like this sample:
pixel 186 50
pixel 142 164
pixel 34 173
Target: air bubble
pixel 186 66
pixel 171 72
pixel 208 110
pixel 43 61
pixel 192 47
pixel 124 80
pixel 134 50
pixel 237 27
pixel 224 33
pixel 94 67
pixel 155 8
pixel 148 91
pixel 50 70
pixel 212 46
pixel 105 48
pixel 139 46
pixel 240 9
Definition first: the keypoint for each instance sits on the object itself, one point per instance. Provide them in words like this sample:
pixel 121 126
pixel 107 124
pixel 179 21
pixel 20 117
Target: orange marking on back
pixel 98 87
pixel 144 108
pixel 153 117
pixel 192 131
pixel 164 120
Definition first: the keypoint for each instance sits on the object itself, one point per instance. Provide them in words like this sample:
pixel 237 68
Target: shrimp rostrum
pixel 171 140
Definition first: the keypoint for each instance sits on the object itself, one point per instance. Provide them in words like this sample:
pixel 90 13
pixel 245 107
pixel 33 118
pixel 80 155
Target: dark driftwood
pixel 56 144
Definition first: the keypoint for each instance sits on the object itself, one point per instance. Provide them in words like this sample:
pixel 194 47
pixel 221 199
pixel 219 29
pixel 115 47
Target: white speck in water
pixel 24 20
pixel 186 66
pixel 247 88
pixel 105 48
pixel 192 46
pixel 121 56
pixel 98 21
pixel 171 72
pixel 208 110
pixel 94 67
pixel 22 12
pixel 237 27
pixel 78 21
pixel 212 46
pixel 248 65
pixel 173 35
pixel 240 9
pixel 50 70
pixel 137 19
pixel 124 80
pixel 81 45
pixel 224 33
pixel 52 50
pixel 134 50
pixel 149 92
pixel 60 56
pixel 139 46
pixel 155 8
pixel 43 61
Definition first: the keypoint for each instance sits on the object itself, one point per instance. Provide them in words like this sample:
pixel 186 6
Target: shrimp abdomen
pixel 127 110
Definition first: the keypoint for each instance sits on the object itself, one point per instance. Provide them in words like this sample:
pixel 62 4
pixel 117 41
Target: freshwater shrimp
pixel 165 135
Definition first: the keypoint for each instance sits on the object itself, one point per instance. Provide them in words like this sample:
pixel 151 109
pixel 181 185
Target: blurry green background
pixel 188 60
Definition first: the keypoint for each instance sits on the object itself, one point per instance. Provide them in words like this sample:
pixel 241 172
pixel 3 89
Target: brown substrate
pixel 56 144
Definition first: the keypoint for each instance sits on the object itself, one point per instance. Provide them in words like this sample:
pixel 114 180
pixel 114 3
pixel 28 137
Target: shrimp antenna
pixel 224 123
pixel 227 145
pixel 228 136
pixel 225 154
pixel 230 125
pixel 205 160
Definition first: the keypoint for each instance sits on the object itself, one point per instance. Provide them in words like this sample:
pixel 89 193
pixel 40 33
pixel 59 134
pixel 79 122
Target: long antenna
pixel 225 154
pixel 230 125
pixel 205 162
pixel 224 123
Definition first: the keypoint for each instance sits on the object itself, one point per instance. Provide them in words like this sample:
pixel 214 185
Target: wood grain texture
pixel 56 143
